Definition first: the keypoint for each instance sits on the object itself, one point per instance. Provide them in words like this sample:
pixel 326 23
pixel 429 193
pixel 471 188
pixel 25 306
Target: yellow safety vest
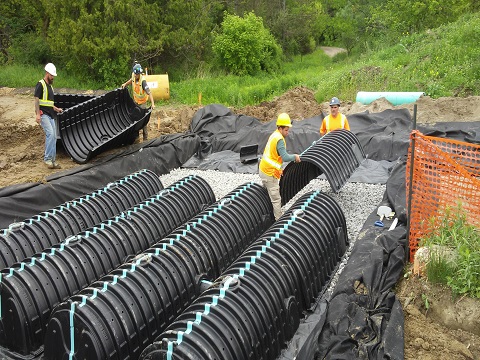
pixel 139 95
pixel 271 163
pixel 44 100
pixel 342 123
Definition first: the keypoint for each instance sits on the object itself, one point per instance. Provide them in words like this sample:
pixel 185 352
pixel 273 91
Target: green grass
pixel 454 247
pixel 439 62
pixel 21 76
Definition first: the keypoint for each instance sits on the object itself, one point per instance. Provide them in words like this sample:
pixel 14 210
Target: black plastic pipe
pixel 101 123
pixel 337 155
pixel 23 239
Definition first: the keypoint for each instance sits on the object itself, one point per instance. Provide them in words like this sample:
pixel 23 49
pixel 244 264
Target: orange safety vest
pixel 331 123
pixel 271 163
pixel 139 95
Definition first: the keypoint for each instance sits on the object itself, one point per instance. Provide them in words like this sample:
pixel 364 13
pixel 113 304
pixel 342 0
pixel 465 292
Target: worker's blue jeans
pixel 48 125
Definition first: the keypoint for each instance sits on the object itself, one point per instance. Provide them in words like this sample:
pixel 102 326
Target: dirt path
pixel 332 51
pixel 428 334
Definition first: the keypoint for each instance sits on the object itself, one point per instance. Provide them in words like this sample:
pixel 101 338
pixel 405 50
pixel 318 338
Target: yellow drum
pixel 159 86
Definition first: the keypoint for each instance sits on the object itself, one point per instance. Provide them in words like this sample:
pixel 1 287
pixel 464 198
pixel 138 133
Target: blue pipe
pixel 395 98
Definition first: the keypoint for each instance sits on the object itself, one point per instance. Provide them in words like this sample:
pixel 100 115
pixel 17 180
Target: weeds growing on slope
pixel 454 248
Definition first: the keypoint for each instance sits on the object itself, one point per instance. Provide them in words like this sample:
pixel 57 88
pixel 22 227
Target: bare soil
pixel 449 329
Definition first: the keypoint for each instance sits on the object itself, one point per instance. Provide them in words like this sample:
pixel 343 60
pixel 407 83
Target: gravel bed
pixel 357 200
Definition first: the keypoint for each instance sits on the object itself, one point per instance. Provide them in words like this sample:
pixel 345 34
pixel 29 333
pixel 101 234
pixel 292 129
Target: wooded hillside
pixel 102 39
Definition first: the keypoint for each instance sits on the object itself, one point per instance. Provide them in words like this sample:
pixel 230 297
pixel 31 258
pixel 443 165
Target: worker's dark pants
pixel 145 128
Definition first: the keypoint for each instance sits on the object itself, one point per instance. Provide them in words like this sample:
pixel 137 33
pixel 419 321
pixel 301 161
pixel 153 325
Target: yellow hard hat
pixel 284 120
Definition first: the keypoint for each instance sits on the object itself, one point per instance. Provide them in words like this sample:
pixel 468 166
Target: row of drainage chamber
pixel 172 275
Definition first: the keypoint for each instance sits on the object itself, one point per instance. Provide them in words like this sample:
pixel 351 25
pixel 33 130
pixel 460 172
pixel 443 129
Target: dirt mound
pixel 429 110
pixel 299 103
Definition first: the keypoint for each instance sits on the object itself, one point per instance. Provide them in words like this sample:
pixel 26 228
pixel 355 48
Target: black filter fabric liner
pixel 19 202
pixel 364 319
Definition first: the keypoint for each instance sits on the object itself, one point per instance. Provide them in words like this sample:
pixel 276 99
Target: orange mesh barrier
pixel 445 172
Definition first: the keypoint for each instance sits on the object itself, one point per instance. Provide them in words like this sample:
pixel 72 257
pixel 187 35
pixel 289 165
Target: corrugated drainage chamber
pixel 30 290
pixel 101 123
pixel 66 101
pixel 337 155
pixel 118 316
pixel 24 239
pixel 254 309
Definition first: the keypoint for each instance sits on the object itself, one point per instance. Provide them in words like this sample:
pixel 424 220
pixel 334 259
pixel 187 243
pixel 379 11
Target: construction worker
pixel 335 120
pixel 45 113
pixel 274 155
pixel 141 92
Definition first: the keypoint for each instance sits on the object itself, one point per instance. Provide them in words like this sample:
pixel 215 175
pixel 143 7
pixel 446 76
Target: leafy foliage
pixel 400 16
pixel 22 21
pixel 439 62
pixel 454 246
pixel 187 46
pixel 245 47
pixel 30 49
pixel 102 39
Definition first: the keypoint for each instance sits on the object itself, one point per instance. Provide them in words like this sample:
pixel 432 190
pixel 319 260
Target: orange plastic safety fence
pixel 445 173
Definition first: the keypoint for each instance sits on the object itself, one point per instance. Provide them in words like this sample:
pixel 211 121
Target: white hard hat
pixel 51 69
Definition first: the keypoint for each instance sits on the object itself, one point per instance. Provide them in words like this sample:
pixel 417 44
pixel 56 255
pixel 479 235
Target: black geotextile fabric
pixel 363 318
pixel 20 202
pixel 221 130
pixel 384 135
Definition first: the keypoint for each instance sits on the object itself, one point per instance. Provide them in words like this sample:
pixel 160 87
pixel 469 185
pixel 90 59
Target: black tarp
pixel 19 202
pixel 363 318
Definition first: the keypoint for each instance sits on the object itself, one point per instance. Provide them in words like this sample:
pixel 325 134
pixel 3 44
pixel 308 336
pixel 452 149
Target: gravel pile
pixel 357 200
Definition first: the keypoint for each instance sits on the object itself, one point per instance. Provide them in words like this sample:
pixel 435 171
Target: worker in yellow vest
pixel 335 120
pixel 274 155
pixel 45 114
pixel 141 92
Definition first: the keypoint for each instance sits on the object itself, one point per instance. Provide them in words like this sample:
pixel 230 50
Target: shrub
pixel 245 47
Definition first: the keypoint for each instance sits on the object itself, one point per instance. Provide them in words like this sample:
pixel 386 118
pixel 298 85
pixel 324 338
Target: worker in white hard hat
pixel 141 92
pixel 335 120
pixel 45 114
pixel 275 153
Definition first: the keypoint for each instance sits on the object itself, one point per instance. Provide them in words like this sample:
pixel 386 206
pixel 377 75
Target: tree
pixel 188 42
pixel 296 26
pixel 101 39
pixel 23 32
pixel 397 17
pixel 244 46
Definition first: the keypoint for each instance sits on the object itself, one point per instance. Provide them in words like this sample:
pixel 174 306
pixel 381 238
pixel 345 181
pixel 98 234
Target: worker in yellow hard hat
pixel 335 120
pixel 274 155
